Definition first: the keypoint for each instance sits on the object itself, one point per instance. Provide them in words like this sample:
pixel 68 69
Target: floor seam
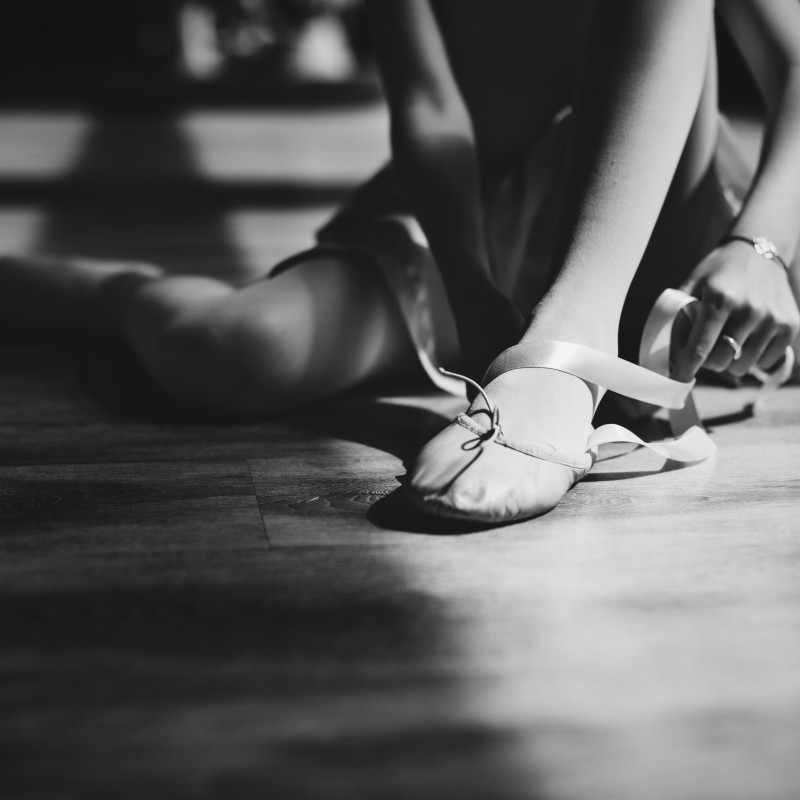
pixel 258 505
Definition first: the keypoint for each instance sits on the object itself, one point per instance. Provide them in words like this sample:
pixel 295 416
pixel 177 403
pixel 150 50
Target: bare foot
pixel 76 294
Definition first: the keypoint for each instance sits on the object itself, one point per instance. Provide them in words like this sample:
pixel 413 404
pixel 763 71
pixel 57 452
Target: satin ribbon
pixel 619 376
pixel 649 383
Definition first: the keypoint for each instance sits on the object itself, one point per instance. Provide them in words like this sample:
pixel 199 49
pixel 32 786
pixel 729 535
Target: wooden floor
pixel 199 609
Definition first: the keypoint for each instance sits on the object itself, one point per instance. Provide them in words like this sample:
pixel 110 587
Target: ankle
pixel 585 332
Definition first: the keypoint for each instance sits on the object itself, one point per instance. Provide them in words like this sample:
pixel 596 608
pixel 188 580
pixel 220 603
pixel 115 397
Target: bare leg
pixel 317 329
pixel 634 107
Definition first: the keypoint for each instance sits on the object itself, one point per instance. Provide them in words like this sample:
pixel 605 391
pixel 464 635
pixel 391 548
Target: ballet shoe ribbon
pixel 693 445
pixel 648 382
pixel 594 367
pixel 622 377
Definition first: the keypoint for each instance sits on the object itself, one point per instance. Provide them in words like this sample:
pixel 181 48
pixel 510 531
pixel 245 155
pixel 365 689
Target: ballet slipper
pixel 530 478
pixel 527 479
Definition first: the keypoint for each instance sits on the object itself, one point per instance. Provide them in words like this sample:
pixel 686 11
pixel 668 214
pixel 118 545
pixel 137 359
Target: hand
pixel 488 322
pixel 743 296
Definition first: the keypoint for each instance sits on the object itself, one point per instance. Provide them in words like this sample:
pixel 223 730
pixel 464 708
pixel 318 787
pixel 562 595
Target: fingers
pixel 702 340
pixel 776 348
pixel 768 341
pixel 753 344
pixel 733 348
pixel 764 348
pixel 762 340
pixel 741 300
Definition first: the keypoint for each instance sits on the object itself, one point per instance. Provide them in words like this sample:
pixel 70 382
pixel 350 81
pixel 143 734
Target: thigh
pixel 315 329
pixel 331 318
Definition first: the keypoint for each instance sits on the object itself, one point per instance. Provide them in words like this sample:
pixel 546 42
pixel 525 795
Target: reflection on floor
pixel 192 608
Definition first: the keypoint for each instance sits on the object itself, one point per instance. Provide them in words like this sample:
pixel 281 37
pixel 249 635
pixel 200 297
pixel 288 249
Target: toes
pixel 443 460
pixel 493 484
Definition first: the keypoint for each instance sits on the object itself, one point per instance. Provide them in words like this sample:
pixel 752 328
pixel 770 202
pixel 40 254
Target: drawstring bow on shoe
pixel 494 412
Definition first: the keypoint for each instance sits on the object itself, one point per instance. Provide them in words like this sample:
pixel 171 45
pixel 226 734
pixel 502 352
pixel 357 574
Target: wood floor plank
pixel 101 442
pixel 335 479
pixel 221 678
pixel 39 383
pixel 562 666
pixel 117 507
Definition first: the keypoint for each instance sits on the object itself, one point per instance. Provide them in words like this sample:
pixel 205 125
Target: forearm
pixel 442 175
pixel 772 205
pixel 434 150
pixel 741 297
pixel 438 163
pixel 432 140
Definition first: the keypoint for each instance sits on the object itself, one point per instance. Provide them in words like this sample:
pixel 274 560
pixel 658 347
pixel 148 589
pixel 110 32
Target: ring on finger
pixel 734 345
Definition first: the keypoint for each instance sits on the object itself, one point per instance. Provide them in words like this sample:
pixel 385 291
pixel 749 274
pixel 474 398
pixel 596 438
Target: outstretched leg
pixel 324 325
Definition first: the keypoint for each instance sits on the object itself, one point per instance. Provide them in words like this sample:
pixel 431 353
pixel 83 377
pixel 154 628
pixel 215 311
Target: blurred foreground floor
pixel 196 609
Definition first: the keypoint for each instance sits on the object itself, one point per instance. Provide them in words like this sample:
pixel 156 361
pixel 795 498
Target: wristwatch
pixel 763 246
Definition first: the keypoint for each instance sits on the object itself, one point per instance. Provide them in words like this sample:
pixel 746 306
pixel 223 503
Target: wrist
pixel 764 247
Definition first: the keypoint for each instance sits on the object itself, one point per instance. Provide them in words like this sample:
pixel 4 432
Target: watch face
pixel 764 247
